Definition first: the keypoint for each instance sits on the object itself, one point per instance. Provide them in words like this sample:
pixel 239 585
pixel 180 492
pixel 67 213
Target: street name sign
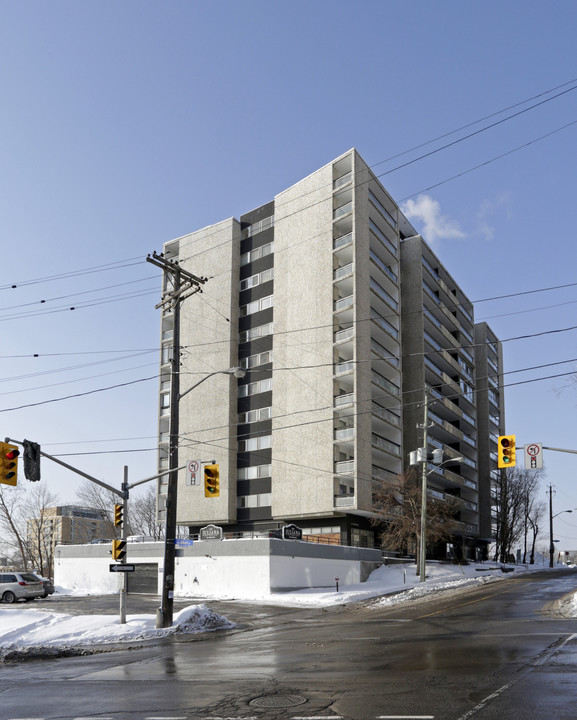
pixel 533 456
pixel 121 568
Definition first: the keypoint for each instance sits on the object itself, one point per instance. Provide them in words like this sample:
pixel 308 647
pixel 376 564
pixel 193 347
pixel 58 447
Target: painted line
pixel 488 699
pixel 405 717
pixel 527 671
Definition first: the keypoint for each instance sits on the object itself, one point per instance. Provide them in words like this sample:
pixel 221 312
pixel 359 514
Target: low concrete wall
pixel 231 568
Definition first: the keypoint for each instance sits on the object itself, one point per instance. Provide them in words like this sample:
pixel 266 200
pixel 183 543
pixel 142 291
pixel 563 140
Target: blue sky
pixel 125 125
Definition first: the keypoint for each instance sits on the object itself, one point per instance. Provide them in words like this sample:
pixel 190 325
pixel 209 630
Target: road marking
pixel 405 717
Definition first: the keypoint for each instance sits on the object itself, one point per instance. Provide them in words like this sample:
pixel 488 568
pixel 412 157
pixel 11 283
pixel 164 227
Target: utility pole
pixel 423 544
pixel 551 544
pixel 183 284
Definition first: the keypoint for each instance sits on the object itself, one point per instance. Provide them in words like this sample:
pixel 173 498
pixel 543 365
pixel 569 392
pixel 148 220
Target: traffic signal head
pixel 506 451
pixel 211 481
pixel 8 464
pixel 118 515
pixel 119 549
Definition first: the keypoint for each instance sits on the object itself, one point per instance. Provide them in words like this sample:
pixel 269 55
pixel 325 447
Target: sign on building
pixel 211 532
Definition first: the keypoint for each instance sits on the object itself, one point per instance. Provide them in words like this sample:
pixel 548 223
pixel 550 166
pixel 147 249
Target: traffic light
pixel 119 549
pixel 211 481
pixel 506 451
pixel 8 464
pixel 118 515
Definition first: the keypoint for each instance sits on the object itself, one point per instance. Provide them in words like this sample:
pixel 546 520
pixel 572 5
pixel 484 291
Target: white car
pixel 16 586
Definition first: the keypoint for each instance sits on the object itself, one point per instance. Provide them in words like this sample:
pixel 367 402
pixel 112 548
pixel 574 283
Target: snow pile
pixel 23 631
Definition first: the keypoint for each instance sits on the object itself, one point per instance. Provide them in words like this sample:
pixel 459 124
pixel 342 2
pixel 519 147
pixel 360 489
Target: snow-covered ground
pixel 28 631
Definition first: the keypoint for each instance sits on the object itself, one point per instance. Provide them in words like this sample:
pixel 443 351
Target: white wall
pixel 231 568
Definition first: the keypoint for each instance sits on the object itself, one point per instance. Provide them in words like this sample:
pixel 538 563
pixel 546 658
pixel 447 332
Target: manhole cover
pixel 278 701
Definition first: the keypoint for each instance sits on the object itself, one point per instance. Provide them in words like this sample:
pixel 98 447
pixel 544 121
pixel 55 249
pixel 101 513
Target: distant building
pixel 66 525
pixel 343 318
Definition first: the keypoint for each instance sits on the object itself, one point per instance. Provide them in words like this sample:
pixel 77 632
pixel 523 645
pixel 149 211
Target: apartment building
pixel 342 317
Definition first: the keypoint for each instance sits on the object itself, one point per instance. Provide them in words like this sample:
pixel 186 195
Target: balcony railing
pixel 343 271
pixel 344 367
pixel 342 335
pixel 342 210
pixel 345 434
pixel 345 303
pixel 345 467
pixel 342 241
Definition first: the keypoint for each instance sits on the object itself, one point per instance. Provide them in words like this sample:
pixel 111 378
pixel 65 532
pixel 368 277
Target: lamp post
pixel 164 614
pixel 551 516
pixel 423 549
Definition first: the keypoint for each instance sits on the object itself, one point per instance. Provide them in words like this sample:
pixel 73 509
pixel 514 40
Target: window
pixel 255 415
pixel 255 387
pixel 252 501
pixel 258 443
pixel 257 227
pixel 257 305
pixel 255 333
pixel 254 360
pixel 254 471
pixel 257 253
pixel 257 279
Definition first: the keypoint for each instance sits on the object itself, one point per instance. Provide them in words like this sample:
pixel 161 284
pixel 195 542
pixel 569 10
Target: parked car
pixel 47 584
pixel 16 586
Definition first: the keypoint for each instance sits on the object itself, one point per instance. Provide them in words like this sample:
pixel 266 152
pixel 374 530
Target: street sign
pixel 183 542
pixel 193 472
pixel 533 456
pixel 121 568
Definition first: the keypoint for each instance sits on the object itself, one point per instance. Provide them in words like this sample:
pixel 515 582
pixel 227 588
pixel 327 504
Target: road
pixel 490 653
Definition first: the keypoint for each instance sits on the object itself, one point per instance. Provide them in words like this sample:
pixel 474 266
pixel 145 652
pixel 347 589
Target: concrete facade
pixel 343 318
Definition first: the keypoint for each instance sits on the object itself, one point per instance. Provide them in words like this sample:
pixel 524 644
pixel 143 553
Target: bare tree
pixel 534 519
pixel 398 504
pixel 514 498
pixel 143 517
pixel 41 529
pixel 25 526
pixel 98 498
pixel 13 524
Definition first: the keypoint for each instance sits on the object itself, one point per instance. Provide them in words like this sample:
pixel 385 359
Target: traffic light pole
pixel 124 536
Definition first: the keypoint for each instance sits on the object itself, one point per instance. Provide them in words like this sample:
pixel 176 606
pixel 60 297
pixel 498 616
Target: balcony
pixel 343 210
pixel 345 467
pixel 343 240
pixel 344 304
pixel 343 272
pixel 342 181
pixel 345 434
pixel 344 368
pixel 342 336
pixel 344 400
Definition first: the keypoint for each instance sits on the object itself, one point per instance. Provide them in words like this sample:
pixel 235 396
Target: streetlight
pixel 423 547
pixel 164 614
pixel 551 516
